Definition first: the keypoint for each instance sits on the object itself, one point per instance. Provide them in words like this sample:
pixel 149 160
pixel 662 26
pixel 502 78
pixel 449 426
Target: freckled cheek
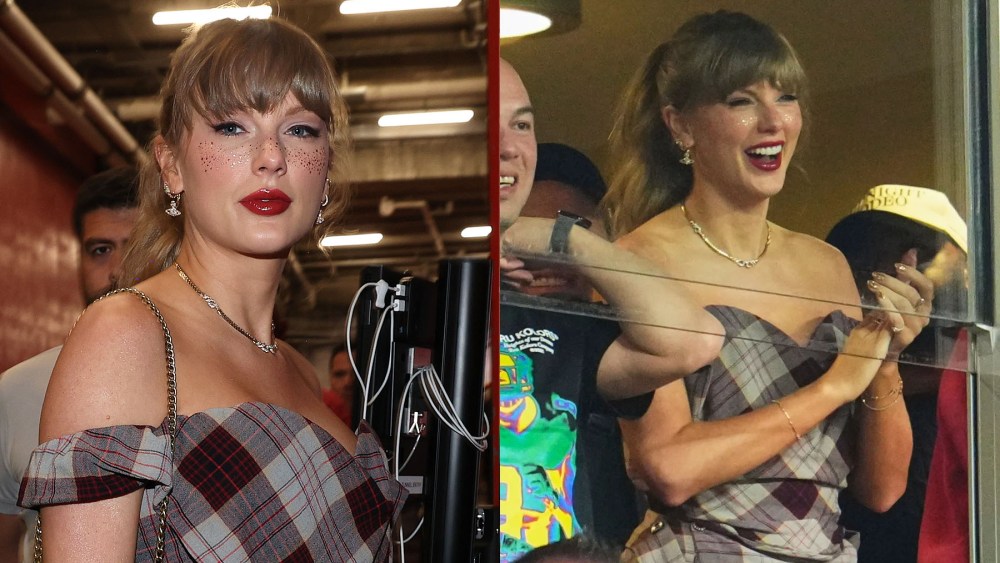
pixel 239 157
pixel 214 158
pixel 210 157
pixel 312 161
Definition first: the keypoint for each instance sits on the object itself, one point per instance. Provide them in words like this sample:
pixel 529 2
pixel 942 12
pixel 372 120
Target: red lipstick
pixel 766 156
pixel 267 202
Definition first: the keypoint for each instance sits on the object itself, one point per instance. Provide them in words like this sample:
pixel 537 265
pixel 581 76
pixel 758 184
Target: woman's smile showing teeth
pixel 766 157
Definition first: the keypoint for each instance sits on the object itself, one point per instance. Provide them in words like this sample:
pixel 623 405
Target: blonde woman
pixel 176 426
pixel 745 458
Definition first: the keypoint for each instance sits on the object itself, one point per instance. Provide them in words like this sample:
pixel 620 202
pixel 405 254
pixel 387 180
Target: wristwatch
pixel 559 241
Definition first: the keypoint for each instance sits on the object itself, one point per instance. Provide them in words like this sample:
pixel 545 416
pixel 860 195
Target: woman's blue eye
pixel 304 131
pixel 228 129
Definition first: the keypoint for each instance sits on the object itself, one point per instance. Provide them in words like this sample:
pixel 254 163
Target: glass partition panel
pixel 880 172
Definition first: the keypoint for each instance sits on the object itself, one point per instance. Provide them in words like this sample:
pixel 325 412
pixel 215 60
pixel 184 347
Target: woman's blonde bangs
pixel 737 65
pixel 225 77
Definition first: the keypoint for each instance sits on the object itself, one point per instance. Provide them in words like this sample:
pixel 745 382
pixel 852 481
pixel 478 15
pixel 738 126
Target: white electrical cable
pixel 347 330
pixel 402 542
pixel 438 391
pixel 395 456
pixel 399 423
pixel 413 450
pixel 365 383
pixel 371 364
pixel 430 385
pixel 412 534
pixel 388 366
pixel 437 398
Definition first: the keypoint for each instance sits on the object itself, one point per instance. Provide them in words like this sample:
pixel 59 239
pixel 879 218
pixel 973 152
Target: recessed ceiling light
pixel 425 118
pixel 546 17
pixel 477 232
pixel 181 17
pixel 377 6
pixel 351 240
pixel 518 23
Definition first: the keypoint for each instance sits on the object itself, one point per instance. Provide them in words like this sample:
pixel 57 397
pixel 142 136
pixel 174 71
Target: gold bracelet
pixel 789 419
pixel 896 392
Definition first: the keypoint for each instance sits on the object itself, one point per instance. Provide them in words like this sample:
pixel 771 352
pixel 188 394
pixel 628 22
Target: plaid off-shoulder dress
pixel 786 509
pixel 254 482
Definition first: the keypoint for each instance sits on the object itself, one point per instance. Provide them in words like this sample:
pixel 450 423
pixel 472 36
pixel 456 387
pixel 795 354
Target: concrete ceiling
pixel 434 59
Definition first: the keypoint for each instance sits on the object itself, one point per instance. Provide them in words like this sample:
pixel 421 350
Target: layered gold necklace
pixel 741 262
pixel 269 348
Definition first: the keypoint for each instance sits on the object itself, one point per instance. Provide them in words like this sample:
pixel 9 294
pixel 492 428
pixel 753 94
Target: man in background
pixel 917 227
pixel 103 217
pixel 565 180
pixel 340 395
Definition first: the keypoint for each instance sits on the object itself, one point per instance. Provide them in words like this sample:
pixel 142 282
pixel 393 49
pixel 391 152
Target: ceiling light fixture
pixel 477 232
pixel 518 23
pixel 526 17
pixel 363 239
pixel 425 118
pixel 350 7
pixel 181 17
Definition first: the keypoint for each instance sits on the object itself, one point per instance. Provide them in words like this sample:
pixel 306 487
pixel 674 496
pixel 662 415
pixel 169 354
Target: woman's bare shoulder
pixel 112 370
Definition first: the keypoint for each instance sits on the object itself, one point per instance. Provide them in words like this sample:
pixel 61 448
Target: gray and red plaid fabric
pixel 786 509
pixel 252 483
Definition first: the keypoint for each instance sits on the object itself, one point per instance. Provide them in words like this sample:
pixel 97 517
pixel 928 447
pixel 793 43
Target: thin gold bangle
pixel 896 391
pixel 789 419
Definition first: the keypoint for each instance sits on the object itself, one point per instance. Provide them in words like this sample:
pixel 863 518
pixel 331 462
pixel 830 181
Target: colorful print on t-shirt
pixel 537 454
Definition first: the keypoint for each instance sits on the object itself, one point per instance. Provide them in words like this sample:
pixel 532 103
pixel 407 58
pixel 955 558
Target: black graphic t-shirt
pixel 561 464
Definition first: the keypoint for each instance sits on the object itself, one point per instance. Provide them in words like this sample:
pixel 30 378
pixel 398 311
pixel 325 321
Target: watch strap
pixel 559 240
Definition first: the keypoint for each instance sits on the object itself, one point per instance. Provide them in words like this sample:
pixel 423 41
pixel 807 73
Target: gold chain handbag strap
pixel 161 530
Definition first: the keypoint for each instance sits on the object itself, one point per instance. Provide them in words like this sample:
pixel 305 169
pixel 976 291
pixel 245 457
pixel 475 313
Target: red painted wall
pixel 39 285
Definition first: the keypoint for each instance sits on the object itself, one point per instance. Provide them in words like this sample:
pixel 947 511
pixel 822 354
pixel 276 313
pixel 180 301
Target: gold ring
pixel 919 302
pixel 895 329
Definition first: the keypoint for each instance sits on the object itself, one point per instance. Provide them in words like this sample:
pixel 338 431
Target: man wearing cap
pixel 565 180
pixel 920 228
pixel 566 371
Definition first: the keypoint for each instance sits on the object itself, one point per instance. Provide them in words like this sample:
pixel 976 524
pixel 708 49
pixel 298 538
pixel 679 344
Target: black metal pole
pixel 459 358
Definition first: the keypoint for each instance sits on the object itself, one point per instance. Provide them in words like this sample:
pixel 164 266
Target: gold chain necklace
pixel 269 348
pixel 749 263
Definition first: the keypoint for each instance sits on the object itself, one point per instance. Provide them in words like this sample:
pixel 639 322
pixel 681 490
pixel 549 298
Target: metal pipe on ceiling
pixel 64 110
pixel 387 206
pixel 454 87
pixel 29 73
pixel 28 49
pixel 148 107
